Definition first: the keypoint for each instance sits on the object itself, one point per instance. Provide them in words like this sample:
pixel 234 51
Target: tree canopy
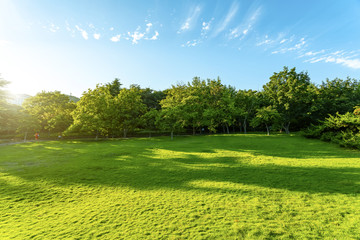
pixel 289 100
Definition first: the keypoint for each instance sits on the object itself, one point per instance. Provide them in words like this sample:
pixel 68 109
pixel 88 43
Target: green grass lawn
pixel 208 187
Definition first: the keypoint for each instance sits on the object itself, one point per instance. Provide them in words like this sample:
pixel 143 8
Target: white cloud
pixel 148 27
pixel 243 29
pixel 116 38
pixel 185 26
pixel 111 29
pixel 97 36
pixel 337 53
pixel 192 17
pixel 53 28
pixel 191 43
pixel 230 15
pixel 136 36
pixel 301 44
pixel 265 42
pixel 338 57
pixel 284 40
pixel 84 34
pixel 351 63
pixel 313 53
pixel 206 26
pixel 69 29
pixel 155 36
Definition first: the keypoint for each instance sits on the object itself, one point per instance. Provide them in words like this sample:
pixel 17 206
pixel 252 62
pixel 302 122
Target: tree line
pixel 289 101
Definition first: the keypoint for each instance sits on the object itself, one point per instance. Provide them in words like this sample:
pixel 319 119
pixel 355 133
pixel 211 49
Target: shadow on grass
pixel 280 145
pixel 135 165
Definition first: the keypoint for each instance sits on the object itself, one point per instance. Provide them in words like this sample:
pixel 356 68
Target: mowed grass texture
pixel 203 187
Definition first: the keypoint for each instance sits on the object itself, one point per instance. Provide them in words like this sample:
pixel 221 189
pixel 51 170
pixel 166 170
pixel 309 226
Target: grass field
pixel 208 187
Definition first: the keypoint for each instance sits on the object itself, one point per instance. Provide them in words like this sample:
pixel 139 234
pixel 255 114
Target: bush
pixel 343 129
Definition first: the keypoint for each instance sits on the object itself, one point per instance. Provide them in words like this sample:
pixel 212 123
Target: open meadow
pixel 203 187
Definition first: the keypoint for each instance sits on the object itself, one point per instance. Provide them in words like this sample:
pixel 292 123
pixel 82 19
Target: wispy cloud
pixel 190 20
pixel 51 27
pixel 266 41
pixel 347 59
pixel 308 54
pixel 229 17
pixel 148 27
pixel 146 32
pixel 205 27
pixel 155 37
pixel 299 45
pixel 243 29
pixel 136 36
pixel 84 34
pixel 191 43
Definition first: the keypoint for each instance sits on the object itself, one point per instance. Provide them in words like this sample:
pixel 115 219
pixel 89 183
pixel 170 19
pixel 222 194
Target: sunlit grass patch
pixel 209 187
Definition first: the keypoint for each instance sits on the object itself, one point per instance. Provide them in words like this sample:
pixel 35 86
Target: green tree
pixel 265 116
pixel 152 98
pixel 172 116
pixel 194 104
pixel 246 103
pixel 52 111
pixel 95 113
pixel 170 119
pixel 289 93
pixel 335 96
pixel 129 108
pixel 114 87
pixel 221 110
pixel 148 120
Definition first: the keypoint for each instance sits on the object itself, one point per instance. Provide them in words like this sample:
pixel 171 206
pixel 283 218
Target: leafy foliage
pixel 343 129
pixel 267 116
pixel 290 93
pixel 50 110
pixel 288 99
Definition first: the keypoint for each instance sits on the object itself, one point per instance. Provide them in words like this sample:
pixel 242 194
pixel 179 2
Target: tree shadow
pixel 279 145
pixel 130 165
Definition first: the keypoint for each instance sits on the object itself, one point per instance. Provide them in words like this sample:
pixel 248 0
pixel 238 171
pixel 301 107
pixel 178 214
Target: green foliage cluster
pixel 206 187
pixel 289 101
pixel 343 129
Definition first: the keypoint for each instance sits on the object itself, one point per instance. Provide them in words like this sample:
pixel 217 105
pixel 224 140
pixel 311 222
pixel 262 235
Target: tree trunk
pixel 125 132
pixel 97 135
pixel 244 126
pixel 267 129
pixel 227 128
pixel 25 136
pixel 286 127
pixel 172 134
pixel 194 131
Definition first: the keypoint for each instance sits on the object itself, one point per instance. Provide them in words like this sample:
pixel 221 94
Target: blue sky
pixel 73 45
